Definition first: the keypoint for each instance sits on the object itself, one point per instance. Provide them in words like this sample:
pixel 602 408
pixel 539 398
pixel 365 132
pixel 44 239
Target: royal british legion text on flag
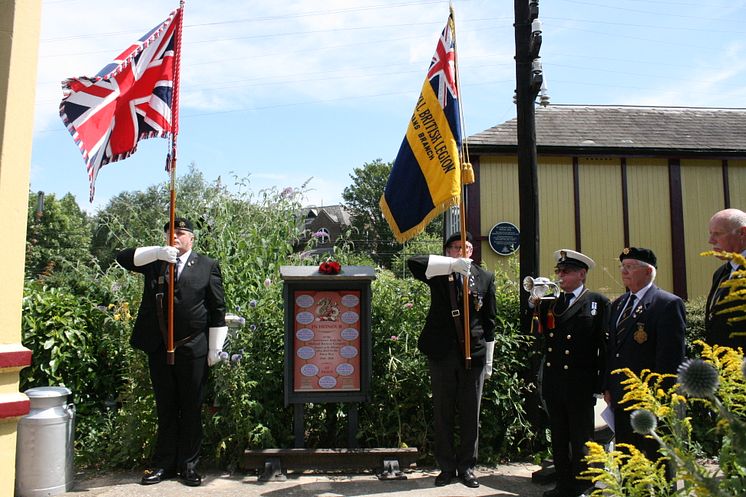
pixel 130 99
pixel 426 177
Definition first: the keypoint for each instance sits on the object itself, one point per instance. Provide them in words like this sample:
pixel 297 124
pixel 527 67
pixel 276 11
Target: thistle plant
pixel 718 382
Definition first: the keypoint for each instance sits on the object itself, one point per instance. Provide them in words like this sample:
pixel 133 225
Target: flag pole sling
pixel 462 208
pixel 171 272
pixel 465 286
pixel 170 352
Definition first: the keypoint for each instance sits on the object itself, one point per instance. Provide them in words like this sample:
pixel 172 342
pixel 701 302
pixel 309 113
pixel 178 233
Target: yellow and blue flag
pixel 426 177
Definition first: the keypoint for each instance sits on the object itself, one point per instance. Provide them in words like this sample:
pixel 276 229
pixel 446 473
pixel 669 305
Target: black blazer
pixel 717 328
pixel 438 335
pixel 198 303
pixel 653 338
pixel 575 350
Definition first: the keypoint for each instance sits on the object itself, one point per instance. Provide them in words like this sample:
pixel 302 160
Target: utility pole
pixel 528 83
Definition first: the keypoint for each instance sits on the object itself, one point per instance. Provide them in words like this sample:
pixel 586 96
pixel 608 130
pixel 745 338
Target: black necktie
pixel 627 311
pixel 176 268
pixel 563 302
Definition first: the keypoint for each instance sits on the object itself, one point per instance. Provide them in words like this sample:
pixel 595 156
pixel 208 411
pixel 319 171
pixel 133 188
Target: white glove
pixel 489 354
pixel 461 265
pixel 216 340
pixel 439 265
pixel 146 255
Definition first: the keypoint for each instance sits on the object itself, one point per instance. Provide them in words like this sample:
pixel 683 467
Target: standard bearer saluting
pixel 199 332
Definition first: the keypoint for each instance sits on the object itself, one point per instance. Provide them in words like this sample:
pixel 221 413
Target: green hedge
pixel 85 346
pixel 77 321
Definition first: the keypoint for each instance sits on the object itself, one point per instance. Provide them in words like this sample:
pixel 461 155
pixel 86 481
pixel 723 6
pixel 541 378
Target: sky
pixel 301 92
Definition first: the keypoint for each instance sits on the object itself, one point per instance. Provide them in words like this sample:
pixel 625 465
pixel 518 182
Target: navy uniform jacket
pixel 653 338
pixel 717 328
pixel 575 350
pixel 198 303
pixel 438 336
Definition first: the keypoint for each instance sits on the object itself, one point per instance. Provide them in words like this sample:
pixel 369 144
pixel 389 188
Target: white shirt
pixel 182 260
pixel 639 294
pixel 574 294
pixel 733 264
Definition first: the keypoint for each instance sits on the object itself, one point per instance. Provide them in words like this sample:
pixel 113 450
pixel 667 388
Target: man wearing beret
pixel 727 234
pixel 574 338
pixel 456 386
pixel 199 331
pixel 646 331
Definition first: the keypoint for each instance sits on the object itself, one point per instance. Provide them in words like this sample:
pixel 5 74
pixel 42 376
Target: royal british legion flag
pixel 130 99
pixel 426 176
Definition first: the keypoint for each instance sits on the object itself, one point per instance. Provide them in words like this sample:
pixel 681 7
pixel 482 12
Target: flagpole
pixel 170 352
pixel 462 204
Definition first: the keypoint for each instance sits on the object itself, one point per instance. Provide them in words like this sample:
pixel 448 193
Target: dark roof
pixel 337 213
pixel 594 128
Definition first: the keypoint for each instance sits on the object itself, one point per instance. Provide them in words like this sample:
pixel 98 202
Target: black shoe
pixel 444 478
pixel 190 478
pixel 151 476
pixel 467 478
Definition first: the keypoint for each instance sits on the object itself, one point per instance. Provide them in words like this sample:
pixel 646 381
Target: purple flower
pixel 267 283
pixel 236 357
pixel 252 327
pixel 252 303
pixel 408 305
pixel 223 355
pixel 394 337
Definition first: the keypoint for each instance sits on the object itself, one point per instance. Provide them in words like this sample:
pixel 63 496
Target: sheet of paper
pixel 608 416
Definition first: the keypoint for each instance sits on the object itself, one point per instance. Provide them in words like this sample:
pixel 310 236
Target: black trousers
pixel 571 420
pixel 179 392
pixel 457 394
pixel 623 433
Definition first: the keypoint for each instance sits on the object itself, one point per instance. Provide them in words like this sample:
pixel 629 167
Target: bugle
pixel 541 287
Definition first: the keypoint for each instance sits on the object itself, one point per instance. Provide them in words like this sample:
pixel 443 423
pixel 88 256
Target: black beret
pixel 457 236
pixel 639 254
pixel 181 223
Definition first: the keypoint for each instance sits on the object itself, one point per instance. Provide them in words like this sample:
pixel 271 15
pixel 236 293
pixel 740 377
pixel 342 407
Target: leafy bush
pixel 79 332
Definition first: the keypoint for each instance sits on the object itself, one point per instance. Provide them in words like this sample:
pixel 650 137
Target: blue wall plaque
pixel 505 238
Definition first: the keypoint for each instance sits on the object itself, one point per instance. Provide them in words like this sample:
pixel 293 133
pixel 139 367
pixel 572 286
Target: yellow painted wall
pixel 556 211
pixel 737 182
pixel 649 204
pixel 601 216
pixel 498 191
pixel 702 192
pixel 19 42
pixel 601 222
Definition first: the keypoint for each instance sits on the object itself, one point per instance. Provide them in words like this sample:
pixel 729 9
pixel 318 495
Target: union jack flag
pixel 130 99
pixel 443 66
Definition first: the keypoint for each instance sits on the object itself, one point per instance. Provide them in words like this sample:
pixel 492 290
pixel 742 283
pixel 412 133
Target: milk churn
pixel 44 446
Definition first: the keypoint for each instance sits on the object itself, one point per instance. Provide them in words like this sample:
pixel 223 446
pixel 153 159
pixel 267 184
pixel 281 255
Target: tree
pixel 138 217
pixel 57 231
pixel 374 235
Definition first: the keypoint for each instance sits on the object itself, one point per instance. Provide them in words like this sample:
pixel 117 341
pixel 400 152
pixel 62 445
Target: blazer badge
pixel 640 336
